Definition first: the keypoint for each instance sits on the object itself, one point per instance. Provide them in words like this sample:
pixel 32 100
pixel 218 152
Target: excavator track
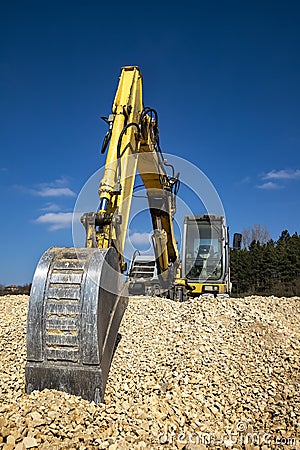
pixel 75 310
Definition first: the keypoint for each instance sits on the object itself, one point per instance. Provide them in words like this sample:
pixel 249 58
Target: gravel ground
pixel 207 373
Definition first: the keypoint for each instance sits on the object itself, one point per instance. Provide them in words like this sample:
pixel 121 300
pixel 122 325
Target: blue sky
pixel 224 77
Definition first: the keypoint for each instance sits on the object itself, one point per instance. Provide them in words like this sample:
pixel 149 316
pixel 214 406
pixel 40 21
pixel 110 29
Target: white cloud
pixel 53 216
pixel 62 181
pixel 137 238
pixel 54 192
pixel 51 207
pixel 56 188
pixel 269 186
pixel 283 174
pixel 57 221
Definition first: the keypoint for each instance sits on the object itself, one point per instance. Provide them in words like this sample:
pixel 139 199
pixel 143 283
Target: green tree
pixel 269 268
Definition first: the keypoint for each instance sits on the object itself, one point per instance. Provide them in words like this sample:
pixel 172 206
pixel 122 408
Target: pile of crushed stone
pixel 206 373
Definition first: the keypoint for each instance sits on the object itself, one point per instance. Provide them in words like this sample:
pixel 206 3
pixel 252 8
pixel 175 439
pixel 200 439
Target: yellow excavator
pixel 77 298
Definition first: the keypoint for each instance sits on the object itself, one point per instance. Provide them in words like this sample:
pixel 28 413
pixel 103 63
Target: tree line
pixel 266 267
pixel 15 290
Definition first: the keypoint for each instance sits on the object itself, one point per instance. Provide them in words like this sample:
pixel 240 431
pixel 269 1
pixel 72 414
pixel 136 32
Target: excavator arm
pixel 161 193
pixel 77 299
pixel 134 145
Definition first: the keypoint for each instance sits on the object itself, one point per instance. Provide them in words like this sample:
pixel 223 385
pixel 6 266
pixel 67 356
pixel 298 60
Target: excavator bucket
pixel 75 309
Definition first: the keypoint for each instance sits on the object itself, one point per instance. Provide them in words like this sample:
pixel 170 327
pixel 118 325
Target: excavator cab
pixel 205 260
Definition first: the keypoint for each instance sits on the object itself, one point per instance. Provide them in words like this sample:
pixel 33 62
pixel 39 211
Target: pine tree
pixel 271 268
